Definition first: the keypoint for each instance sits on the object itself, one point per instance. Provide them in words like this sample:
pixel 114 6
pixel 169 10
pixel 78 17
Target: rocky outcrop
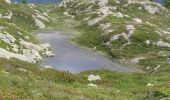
pixel 163 44
pixel 33 50
pixel 39 23
pixel 6 54
pixel 127 34
pixel 39 19
pixel 7 38
pixel 151 9
pixel 8 15
pixel 33 54
pixel 8 1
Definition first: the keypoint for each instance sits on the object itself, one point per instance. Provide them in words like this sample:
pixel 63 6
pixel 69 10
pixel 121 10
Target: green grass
pixel 90 37
pixel 54 85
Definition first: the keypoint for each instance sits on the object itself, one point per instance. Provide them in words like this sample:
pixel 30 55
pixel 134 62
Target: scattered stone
pixel 105 26
pixel 130 27
pixel 27 37
pixel 92 85
pixel 119 15
pixel 46 46
pixel 0 15
pixel 163 44
pixel 106 11
pixel 136 60
pixel 150 24
pixel 19 33
pixel 93 77
pixel 150 9
pixel 137 20
pixel 24 70
pixel 94 48
pixel 103 2
pixel 115 37
pixel 149 85
pixel 166 98
pixel 148 42
pixel 156 68
pixel 140 8
pixel 94 21
pixel 66 13
pixel 166 32
pixel 47 67
pixel 5 72
pixel 49 53
pixel 8 15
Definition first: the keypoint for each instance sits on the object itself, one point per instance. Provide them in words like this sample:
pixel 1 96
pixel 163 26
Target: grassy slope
pixel 92 37
pixel 47 84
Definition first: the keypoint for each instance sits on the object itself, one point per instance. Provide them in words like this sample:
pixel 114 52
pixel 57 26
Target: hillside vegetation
pixel 129 32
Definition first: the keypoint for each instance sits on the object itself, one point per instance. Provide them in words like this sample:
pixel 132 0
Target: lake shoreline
pixel 82 59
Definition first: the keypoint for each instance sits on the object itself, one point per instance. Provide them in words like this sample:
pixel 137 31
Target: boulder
pixel 148 42
pixel 137 20
pixel 149 85
pixel 49 53
pixel 92 85
pixel 119 15
pixel 93 77
pixel 47 66
pixel 130 29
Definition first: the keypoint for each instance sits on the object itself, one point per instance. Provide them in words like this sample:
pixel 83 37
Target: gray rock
pixel 93 77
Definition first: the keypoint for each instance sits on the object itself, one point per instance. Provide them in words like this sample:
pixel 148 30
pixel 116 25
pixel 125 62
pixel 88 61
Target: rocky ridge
pixel 16 25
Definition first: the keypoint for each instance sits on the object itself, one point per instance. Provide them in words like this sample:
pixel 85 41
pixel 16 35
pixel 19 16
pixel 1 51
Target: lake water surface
pixel 69 57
